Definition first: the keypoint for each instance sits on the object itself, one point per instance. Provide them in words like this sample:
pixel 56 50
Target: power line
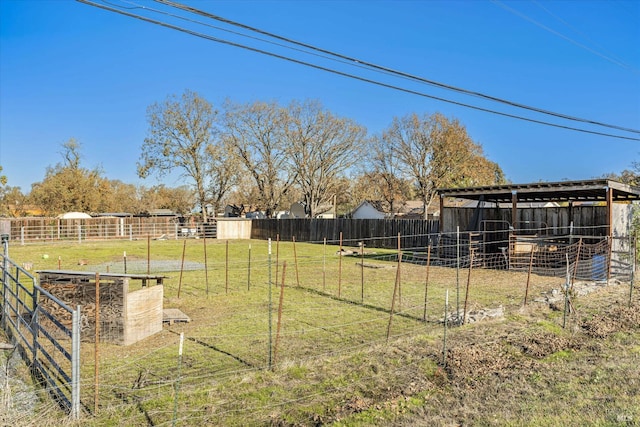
pixel 392 71
pixel 607 57
pixel 352 76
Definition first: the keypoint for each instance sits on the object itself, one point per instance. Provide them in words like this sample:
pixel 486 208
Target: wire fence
pixel 288 306
pixel 38 230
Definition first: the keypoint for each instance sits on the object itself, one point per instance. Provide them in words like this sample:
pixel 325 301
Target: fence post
pixel 277 256
pixel 206 268
pixel 177 385
pixel 226 268
pixel 22 236
pixel 34 322
pixel 632 251
pixel 340 267
pixel 269 307
pixel 184 248
pixel 566 293
pixel 279 323
pixel 457 273
pixel 295 260
pixel 526 290
pixel 148 254
pixel 96 366
pixel 75 364
pixel 324 264
pixel 466 293
pixel 79 233
pixel 444 333
pixel 5 260
pixel 426 282
pixel 393 302
pixel 362 272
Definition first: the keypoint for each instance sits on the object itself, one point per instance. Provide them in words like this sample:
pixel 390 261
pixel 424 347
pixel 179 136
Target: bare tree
pixel 255 133
pixel 437 152
pixel 321 147
pixel 223 172
pixel 386 175
pixel 180 136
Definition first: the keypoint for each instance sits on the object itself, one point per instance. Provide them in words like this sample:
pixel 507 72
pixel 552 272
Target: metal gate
pixel 51 349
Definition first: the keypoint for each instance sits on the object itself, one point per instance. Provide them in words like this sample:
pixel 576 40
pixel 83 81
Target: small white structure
pixel 233 228
pixel 73 215
pixel 368 210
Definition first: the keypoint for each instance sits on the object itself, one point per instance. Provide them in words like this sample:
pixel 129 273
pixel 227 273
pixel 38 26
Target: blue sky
pixel 69 70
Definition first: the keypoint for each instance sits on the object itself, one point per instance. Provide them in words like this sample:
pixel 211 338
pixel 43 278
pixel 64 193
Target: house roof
pixel 587 190
pixel 376 204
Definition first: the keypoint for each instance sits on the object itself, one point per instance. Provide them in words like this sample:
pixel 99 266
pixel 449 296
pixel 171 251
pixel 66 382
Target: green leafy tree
pixel 436 152
pixel 12 201
pixel 68 186
pixel 180 199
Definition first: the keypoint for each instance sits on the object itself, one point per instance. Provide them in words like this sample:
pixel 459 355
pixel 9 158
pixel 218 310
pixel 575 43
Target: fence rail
pixel 30 230
pixel 414 233
pixel 51 349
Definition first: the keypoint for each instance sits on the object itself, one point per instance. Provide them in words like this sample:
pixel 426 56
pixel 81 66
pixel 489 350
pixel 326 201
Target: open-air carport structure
pixel 612 197
pixel 580 218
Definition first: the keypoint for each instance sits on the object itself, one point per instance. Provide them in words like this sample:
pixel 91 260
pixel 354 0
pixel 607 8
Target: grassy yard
pixel 337 353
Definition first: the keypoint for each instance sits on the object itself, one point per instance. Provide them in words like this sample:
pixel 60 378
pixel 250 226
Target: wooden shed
pixel 125 316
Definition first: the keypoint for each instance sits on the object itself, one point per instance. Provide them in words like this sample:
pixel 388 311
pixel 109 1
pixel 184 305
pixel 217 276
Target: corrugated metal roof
pixel 588 190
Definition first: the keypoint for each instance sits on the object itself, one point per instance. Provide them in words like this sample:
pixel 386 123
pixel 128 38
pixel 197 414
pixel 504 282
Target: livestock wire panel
pixel 36 230
pixel 339 299
pixel 44 342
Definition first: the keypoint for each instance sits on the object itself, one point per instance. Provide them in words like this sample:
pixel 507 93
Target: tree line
pixel 264 156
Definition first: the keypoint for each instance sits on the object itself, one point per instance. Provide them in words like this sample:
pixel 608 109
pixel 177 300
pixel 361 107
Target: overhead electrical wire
pixel 352 76
pixel 389 70
pixel 150 9
pixel 607 57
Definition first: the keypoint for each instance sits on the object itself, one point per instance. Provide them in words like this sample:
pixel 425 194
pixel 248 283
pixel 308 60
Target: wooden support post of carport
pixel 609 196
pixel 514 208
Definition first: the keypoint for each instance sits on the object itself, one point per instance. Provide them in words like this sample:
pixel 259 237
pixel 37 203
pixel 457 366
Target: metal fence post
pixel 34 323
pixel 5 251
pixel 75 364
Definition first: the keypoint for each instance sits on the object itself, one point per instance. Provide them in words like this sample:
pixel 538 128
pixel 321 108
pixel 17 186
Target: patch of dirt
pixel 470 364
pixel 617 318
pixel 540 345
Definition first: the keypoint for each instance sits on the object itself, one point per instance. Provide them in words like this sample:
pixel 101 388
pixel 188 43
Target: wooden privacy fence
pixel 414 232
pixel 34 321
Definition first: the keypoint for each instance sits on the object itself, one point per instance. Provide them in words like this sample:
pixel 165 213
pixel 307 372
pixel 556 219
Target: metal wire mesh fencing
pixel 256 306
